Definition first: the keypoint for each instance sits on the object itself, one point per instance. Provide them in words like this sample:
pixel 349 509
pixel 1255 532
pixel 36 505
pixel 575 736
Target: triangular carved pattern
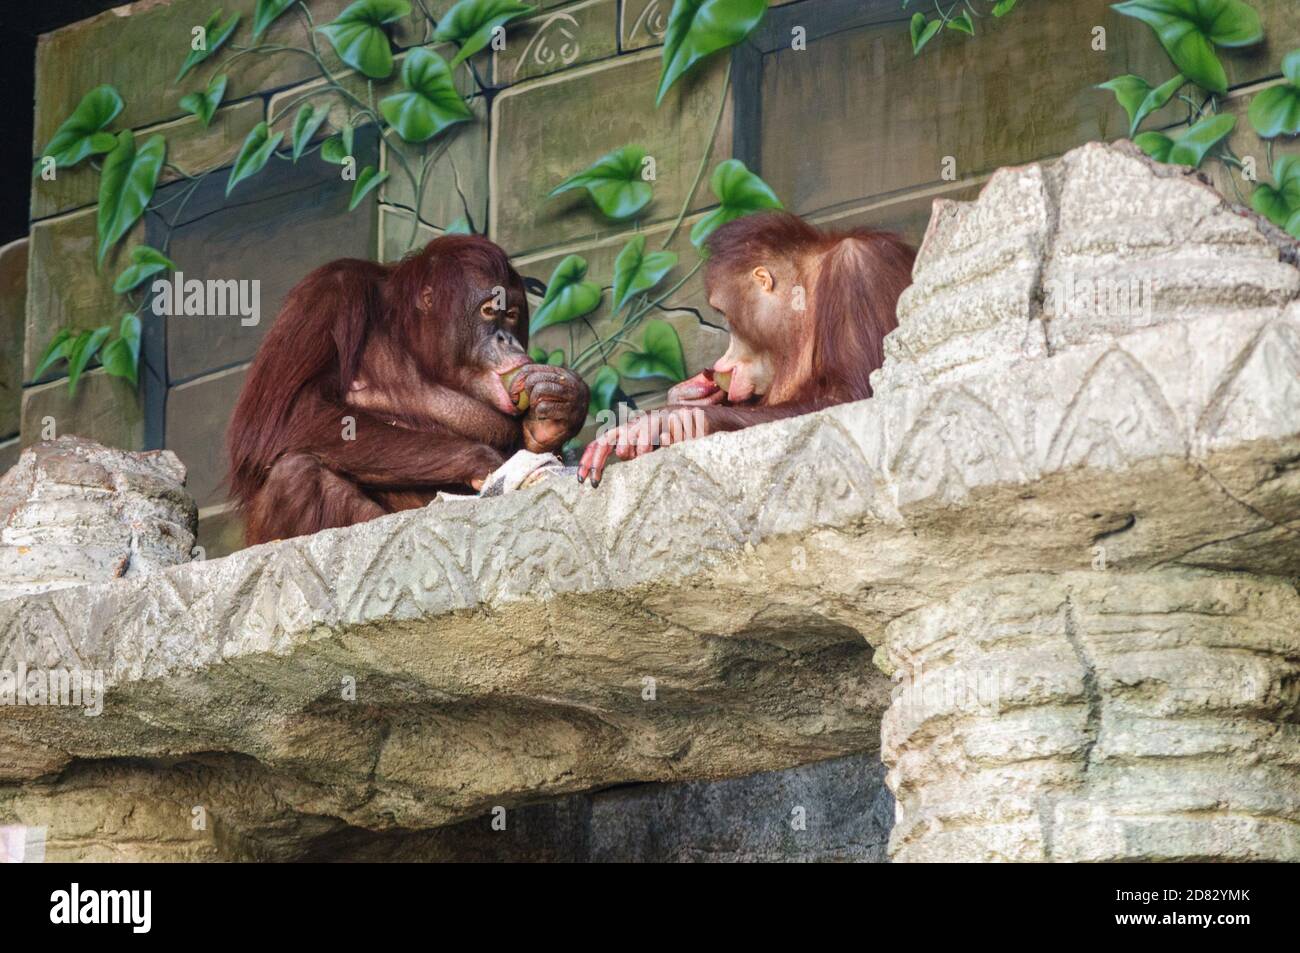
pixel 682 516
pixel 822 479
pixel 958 442
pixel 1118 414
pixel 1259 394
pixel 543 548
pixel 413 572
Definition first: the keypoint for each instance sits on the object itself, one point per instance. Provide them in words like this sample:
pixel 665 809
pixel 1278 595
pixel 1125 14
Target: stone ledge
pixel 499 647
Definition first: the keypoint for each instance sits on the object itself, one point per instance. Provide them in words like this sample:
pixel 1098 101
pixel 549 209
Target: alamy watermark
pixel 57 687
pixel 211 298
pixel 1099 297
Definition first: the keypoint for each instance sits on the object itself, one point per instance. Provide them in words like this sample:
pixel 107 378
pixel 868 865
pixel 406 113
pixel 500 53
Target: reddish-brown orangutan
pixel 379 385
pixel 808 310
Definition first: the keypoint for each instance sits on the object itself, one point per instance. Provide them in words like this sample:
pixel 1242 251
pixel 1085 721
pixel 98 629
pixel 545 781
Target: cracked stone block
pixel 73 512
pixel 105 409
pixel 908 215
pixel 64 290
pixel 256 234
pixel 139 47
pixel 561 140
pixel 956 103
pixel 221 531
pixel 190 146
pixel 13 326
pixel 556 40
pixel 395 238
pixel 198 413
pixel 738 604
pixel 456 183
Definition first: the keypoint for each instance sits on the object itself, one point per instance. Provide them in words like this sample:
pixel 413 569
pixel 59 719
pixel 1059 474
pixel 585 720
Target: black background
pixel 921 907
pixel 21 22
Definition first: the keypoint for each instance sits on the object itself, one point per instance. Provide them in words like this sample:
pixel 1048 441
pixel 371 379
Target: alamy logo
pixel 59 687
pixel 103 906
pixel 213 298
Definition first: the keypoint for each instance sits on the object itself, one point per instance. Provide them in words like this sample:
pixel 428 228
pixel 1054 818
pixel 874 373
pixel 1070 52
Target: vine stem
pixel 704 159
pixel 429 160
pixel 276 117
pixel 632 320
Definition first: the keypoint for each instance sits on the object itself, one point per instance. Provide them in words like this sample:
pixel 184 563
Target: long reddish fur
pixel 859 275
pixel 290 471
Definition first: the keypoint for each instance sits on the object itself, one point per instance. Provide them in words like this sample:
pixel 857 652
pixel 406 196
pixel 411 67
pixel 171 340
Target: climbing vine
pixel 958 16
pixel 620 184
pixel 1191 32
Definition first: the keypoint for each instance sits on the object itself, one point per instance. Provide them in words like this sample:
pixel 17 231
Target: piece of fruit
pixel 722 379
pixel 520 399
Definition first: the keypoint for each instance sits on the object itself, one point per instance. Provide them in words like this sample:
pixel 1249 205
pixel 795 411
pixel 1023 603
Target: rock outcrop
pixel 73 511
pixel 1070 534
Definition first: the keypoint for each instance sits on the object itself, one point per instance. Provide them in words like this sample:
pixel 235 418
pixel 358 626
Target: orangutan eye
pixel 512 314
pixel 488 310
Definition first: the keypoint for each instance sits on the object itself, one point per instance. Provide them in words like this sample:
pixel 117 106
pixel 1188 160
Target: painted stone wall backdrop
pixel 13 305
pixel 825 100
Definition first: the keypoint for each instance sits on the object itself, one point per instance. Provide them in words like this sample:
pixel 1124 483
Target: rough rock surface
pixel 1135 710
pixel 1073 471
pixel 73 511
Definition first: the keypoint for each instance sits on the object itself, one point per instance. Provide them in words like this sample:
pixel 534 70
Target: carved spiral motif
pixel 554 45
pixel 651 20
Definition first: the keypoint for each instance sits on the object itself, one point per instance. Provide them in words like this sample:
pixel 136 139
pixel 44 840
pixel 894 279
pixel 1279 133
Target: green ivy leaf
pixel 215 33
pixel 358 36
pixel 740 192
pixel 1191 147
pixel 1139 99
pixel 460 227
pixel 635 271
pixel 555 358
pixel 614 183
pixel 604 390
pixel 431 102
pixel 80 351
pixel 470 23
pixel 121 356
pixel 1279 203
pixel 567 295
pixel 923 31
pixel 1293 226
pixel 366 181
pixel 305 125
pixel 82 133
pixel 1276 111
pixel 1190 29
pixel 266 13
pixel 204 105
pixel 962 24
pixel 661 354
pixel 1155 144
pixel 697 28
pixel 537 354
pixel 253 156
pixel 56 350
pixel 1003 7
pixel 145 263
pixel 126 185
pixel 338 149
